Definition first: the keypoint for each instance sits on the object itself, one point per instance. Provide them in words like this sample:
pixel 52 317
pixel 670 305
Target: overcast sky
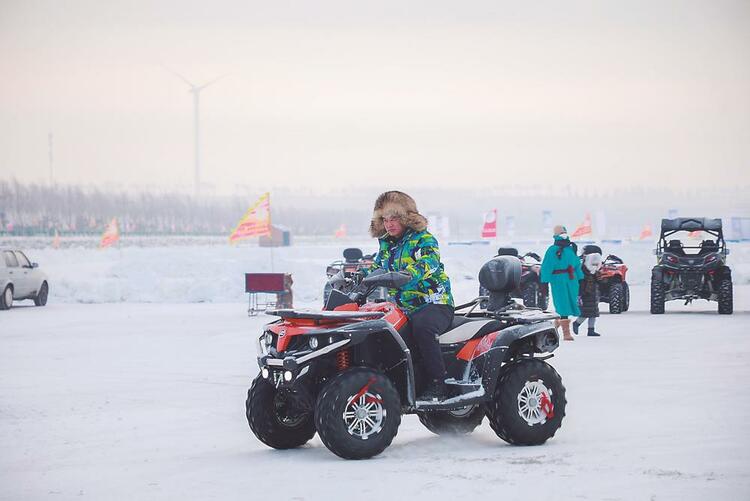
pixel 321 95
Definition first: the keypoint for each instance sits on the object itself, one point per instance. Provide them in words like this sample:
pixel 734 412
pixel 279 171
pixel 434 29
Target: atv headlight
pixel 313 342
pixel 268 339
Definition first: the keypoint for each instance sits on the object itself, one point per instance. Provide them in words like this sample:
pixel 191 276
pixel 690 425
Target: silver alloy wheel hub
pixel 531 400
pixel 364 415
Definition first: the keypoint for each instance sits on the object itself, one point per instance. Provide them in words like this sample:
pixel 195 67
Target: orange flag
pixel 111 235
pixel 646 232
pixel 340 232
pixel 584 228
pixel 256 222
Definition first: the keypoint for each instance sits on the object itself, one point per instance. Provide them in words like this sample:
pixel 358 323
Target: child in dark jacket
pixel 589 293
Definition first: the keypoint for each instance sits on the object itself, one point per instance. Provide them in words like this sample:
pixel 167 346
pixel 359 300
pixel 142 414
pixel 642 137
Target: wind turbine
pixel 195 90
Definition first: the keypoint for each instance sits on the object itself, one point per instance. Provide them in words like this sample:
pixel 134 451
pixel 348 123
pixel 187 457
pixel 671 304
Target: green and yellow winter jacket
pixel 417 254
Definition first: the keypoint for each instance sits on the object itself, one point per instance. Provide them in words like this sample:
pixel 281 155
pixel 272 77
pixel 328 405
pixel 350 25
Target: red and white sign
pixel 489 229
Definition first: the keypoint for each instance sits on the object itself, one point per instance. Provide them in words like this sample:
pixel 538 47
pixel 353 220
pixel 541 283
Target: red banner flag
pixel 256 222
pixel 584 228
pixel 489 229
pixel 646 232
pixel 111 235
pixel 340 232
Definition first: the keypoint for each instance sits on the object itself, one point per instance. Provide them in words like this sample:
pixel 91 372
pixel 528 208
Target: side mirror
pixel 35 265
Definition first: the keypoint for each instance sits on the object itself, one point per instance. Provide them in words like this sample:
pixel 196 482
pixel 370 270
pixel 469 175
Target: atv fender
pixel 725 272
pixel 542 338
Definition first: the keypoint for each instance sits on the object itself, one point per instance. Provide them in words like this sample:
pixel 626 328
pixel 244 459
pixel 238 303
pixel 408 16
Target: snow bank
pixel 210 271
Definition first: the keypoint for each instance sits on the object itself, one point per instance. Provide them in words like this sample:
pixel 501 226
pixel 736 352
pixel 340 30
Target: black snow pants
pixel 426 325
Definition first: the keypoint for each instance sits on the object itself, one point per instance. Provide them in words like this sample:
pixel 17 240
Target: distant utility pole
pixel 195 90
pixel 51 177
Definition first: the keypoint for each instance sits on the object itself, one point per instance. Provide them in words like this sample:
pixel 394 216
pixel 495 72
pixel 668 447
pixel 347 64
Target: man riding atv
pixel 406 246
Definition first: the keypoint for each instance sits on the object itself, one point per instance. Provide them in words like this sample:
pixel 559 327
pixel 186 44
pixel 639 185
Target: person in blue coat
pixel 561 268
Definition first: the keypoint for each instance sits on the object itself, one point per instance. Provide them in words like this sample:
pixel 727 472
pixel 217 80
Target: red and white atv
pixel 347 373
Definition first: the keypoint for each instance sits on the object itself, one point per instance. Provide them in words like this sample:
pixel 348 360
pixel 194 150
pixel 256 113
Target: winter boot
pixel 565 324
pixel 576 325
pixel 593 333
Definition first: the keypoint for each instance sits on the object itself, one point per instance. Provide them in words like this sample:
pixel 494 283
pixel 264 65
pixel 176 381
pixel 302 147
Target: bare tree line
pixel 39 209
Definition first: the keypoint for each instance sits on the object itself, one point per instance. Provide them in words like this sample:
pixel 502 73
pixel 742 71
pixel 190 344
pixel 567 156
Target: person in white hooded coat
pixel 588 293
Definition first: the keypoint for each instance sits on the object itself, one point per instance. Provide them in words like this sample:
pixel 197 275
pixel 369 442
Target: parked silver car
pixel 21 279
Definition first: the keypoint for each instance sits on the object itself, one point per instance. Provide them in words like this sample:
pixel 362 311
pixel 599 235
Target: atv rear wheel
pixel 274 420
pixel 530 294
pixel 528 405
pixel 358 413
pixel 726 300
pixel 657 295
pixel 616 298
pixel 456 422
pixel 625 296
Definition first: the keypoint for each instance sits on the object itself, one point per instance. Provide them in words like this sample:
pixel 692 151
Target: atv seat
pixel 675 247
pixel 463 328
pixel 707 247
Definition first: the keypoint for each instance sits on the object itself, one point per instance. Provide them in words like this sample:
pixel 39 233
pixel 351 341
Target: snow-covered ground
pixel 127 399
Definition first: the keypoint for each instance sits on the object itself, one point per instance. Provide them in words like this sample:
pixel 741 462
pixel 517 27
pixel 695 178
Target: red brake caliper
pixel 547 407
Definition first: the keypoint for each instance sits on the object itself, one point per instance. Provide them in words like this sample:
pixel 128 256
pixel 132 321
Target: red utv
pixel 611 278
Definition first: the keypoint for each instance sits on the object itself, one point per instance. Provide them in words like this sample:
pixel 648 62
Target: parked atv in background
pixel 345 275
pixel 699 273
pixel 611 279
pixel 531 290
pixel 347 374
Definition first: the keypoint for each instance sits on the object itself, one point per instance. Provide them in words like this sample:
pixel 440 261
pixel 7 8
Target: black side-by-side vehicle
pixel 690 272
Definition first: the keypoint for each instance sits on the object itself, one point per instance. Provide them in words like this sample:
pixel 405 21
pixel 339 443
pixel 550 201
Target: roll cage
pixel 670 227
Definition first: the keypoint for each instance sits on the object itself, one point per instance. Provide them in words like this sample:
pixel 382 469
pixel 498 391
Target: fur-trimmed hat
pixel 396 203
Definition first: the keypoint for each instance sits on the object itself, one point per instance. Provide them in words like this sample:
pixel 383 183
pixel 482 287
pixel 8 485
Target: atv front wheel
pixel 616 298
pixel 274 420
pixel 657 295
pixel 528 405
pixel 726 300
pixel 456 422
pixel 358 413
